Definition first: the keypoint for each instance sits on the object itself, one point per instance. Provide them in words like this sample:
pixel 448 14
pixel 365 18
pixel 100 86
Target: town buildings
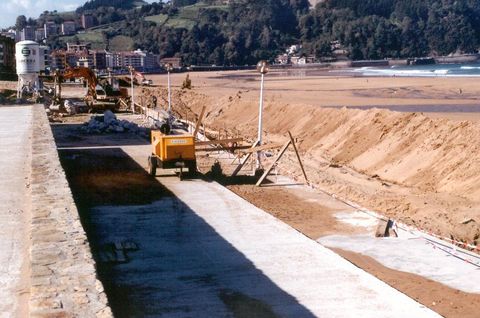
pixel 44 52
pixel 39 34
pixel 9 34
pixel 176 62
pixel 28 33
pixel 88 21
pixel 78 47
pixel 50 28
pixel 69 28
pixel 81 54
pixel 7 56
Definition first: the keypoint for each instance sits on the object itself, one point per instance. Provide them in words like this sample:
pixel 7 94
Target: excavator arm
pixel 85 73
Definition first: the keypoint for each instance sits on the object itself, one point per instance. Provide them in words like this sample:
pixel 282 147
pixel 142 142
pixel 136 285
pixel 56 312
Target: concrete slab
pixel 209 253
pixel 15 148
pixel 410 253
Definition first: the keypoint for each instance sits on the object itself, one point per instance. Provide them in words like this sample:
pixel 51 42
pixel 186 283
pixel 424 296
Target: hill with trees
pixel 373 29
pixel 239 32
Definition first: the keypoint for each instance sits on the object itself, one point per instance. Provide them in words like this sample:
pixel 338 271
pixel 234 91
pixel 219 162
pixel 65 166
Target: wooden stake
pixel 264 147
pixel 298 157
pixel 280 154
pixel 243 161
pixel 199 122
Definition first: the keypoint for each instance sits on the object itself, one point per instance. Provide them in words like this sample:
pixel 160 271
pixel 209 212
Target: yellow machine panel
pixel 173 147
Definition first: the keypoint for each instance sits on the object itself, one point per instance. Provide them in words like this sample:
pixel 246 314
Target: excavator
pixel 102 94
pixel 138 79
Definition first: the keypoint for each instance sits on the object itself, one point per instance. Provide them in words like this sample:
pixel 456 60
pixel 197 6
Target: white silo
pixel 27 56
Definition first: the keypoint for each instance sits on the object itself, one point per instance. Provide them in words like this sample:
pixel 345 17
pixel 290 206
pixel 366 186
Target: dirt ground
pixel 311 218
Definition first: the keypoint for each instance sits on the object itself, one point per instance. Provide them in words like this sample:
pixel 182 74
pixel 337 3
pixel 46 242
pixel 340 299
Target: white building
pixel 51 28
pixel 28 33
pixel 44 57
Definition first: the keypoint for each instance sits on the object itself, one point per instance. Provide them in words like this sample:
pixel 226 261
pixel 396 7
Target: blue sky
pixel 10 9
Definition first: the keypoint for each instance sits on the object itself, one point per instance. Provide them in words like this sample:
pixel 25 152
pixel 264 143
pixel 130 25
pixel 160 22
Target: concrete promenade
pixel 15 153
pixel 206 252
pixel 46 267
pixel 309 280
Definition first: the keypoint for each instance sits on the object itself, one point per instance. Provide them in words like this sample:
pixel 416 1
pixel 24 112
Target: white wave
pixel 406 73
pixel 470 67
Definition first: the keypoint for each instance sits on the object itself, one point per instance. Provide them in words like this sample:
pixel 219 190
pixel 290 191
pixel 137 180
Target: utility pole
pixel 169 68
pixel 262 68
pixel 132 70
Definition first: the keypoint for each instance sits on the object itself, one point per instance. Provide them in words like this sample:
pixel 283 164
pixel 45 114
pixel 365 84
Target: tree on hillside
pixel 21 22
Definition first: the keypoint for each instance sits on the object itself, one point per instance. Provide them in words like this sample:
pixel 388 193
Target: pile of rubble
pixel 108 123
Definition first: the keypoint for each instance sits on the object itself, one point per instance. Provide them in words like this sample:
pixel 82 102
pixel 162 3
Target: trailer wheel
pixel 192 169
pixel 152 166
pixel 165 128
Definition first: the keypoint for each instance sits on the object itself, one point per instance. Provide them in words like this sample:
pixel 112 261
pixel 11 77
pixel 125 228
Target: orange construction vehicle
pixel 143 80
pixel 171 152
pixel 102 93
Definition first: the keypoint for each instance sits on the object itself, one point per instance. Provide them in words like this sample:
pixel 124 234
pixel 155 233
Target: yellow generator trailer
pixel 172 151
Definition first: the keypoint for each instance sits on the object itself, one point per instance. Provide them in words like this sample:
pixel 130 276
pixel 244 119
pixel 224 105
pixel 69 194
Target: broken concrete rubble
pixel 109 123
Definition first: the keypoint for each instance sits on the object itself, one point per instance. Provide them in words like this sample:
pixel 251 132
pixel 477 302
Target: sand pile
pixel 423 171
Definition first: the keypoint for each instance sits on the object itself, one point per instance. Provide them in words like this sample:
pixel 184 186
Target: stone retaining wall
pixel 63 275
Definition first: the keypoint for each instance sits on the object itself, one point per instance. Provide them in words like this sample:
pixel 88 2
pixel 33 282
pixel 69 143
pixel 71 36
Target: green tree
pixel 21 23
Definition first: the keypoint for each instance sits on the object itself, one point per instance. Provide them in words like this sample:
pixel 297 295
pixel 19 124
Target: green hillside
pixel 187 17
pixel 95 38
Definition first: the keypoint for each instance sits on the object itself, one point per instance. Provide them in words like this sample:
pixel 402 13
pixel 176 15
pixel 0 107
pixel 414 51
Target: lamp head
pixel 263 67
pixel 168 67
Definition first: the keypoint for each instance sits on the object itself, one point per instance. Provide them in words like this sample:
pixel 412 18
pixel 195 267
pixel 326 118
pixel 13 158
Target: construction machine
pixel 102 93
pixel 138 79
pixel 143 80
pixel 172 151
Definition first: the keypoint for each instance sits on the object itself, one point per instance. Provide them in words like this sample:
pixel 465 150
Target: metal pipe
pixel 260 117
pixel 169 95
pixel 133 99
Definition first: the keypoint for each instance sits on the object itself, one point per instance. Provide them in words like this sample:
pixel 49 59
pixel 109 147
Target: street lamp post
pixel 263 68
pixel 169 68
pixel 131 69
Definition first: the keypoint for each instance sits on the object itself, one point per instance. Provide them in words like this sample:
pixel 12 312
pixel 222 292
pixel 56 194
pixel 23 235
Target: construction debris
pixel 109 123
pixel 386 228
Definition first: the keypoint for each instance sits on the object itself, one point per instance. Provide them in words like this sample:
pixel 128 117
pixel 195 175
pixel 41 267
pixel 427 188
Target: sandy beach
pixel 455 98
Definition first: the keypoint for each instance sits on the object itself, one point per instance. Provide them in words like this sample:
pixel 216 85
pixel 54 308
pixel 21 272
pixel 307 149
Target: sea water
pixel 433 70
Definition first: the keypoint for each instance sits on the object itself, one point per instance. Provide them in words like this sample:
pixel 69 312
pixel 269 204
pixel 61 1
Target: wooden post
pixel 298 157
pixel 280 154
pixel 244 160
pixel 199 122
